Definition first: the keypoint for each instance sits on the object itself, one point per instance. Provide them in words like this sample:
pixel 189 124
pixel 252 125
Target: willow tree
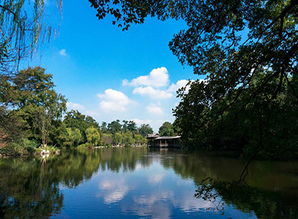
pixel 22 28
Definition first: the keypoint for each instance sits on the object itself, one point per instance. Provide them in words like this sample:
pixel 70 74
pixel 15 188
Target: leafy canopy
pixel 247 52
pixel 166 129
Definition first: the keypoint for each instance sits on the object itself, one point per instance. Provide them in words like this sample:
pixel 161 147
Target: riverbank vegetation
pixel 33 115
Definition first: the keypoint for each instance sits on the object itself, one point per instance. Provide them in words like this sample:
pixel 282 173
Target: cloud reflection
pixel 157 178
pixel 113 190
pixel 152 192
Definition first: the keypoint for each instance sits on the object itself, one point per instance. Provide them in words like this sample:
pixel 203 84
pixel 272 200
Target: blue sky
pixel 110 74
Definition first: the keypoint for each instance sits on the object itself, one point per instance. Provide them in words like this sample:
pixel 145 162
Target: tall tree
pixel 75 119
pixel 104 127
pixel 145 130
pixel 33 100
pixel 132 126
pixel 93 136
pixel 114 126
pixel 166 129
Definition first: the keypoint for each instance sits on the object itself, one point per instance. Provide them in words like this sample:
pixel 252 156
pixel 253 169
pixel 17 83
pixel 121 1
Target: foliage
pixel 113 133
pixel 114 126
pixel 126 133
pixel 118 138
pixel 166 129
pixel 83 147
pixel 30 107
pixel 145 130
pixel 10 126
pixel 140 139
pixel 13 149
pixel 34 102
pixel 128 139
pixel 104 127
pixel 256 127
pixel 93 136
pixel 75 119
pixel 69 136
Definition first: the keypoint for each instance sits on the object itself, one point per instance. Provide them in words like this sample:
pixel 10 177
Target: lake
pixel 137 182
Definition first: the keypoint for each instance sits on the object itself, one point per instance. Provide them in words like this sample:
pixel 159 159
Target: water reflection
pixel 140 183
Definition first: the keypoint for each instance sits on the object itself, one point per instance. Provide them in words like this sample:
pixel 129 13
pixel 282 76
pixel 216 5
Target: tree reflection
pixel 270 189
pixel 265 204
pixel 26 192
pixel 30 187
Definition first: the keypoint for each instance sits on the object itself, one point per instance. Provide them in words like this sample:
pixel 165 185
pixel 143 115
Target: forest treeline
pixel 33 114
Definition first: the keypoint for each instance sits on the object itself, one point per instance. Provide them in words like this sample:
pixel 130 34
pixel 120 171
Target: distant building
pixel 156 141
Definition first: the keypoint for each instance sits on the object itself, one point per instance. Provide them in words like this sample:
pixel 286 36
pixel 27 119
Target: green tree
pixel 104 127
pixel 166 129
pixel 118 138
pixel 75 119
pixel 140 139
pixel 145 130
pixel 114 126
pixel 69 136
pixel 125 125
pixel 132 126
pixel 128 138
pixel 34 102
pixel 93 136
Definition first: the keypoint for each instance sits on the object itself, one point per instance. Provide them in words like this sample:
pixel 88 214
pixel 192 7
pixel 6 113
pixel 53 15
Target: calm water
pixel 134 183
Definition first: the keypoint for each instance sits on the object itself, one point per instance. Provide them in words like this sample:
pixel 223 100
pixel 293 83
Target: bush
pixel 13 149
pixel 84 146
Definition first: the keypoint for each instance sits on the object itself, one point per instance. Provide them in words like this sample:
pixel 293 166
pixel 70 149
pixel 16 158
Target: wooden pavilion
pixel 156 141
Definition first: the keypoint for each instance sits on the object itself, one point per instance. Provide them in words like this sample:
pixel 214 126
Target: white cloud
pixel 75 106
pixel 142 121
pixel 154 109
pixel 63 52
pixel 158 77
pixel 152 92
pixel 149 100
pixel 113 100
pixel 179 84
